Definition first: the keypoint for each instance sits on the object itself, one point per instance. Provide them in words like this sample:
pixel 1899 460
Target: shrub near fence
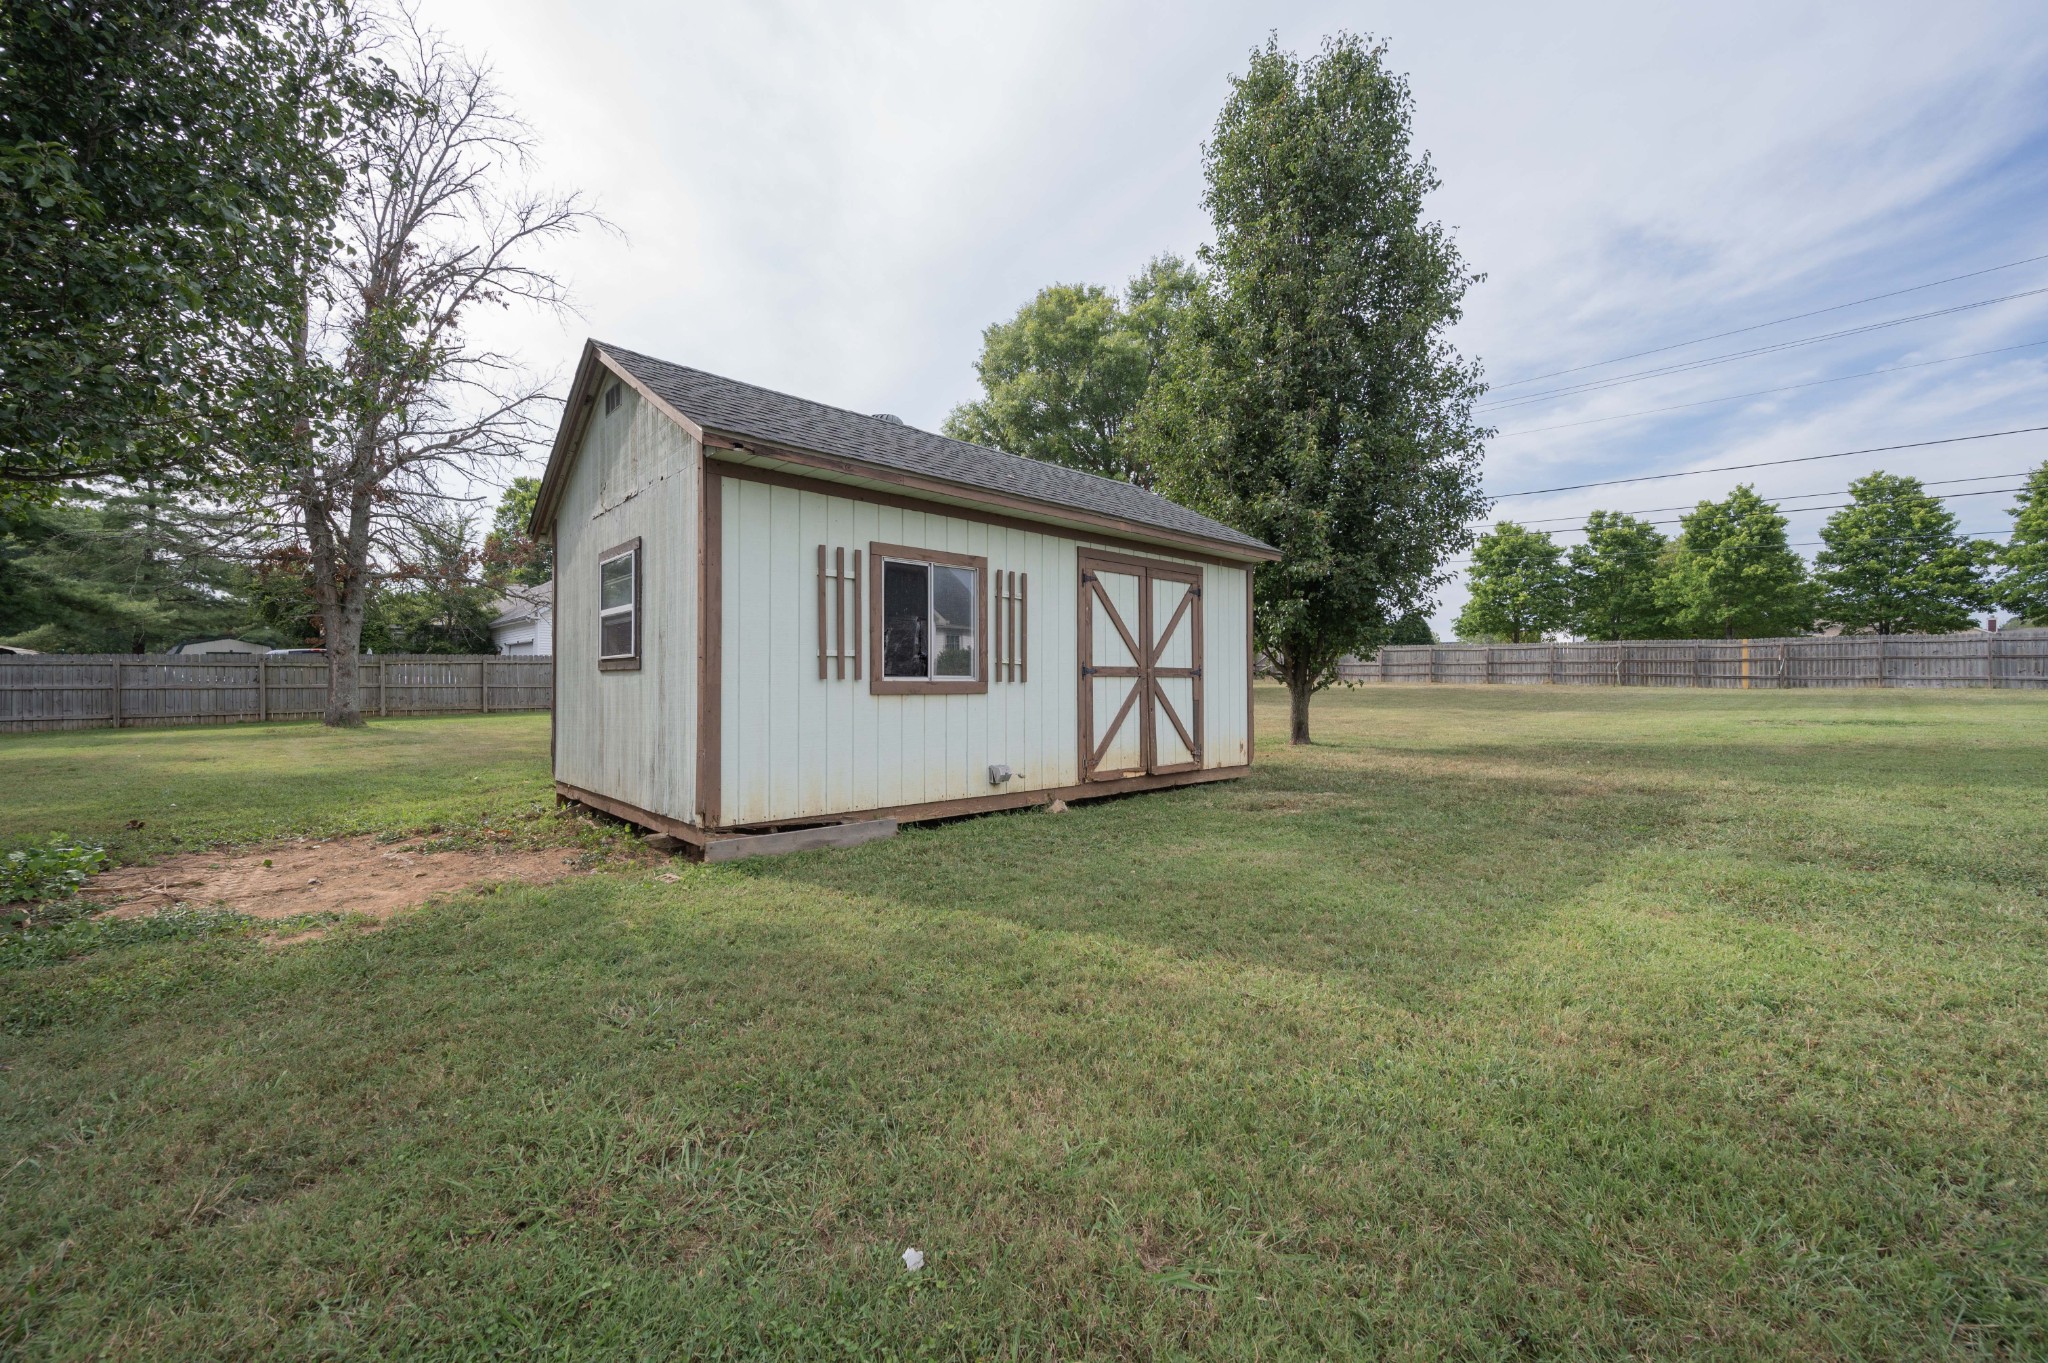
pixel 121 690
pixel 2011 658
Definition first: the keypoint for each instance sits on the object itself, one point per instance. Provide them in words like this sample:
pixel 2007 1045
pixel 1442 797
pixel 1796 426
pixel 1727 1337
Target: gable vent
pixel 613 396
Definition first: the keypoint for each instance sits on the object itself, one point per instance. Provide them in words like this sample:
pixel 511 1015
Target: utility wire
pixel 1759 326
pixel 1688 366
pixel 1766 392
pixel 1766 463
pixel 1790 497
pixel 1797 544
pixel 1837 506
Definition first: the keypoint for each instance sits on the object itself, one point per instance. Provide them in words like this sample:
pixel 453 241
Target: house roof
pixel 745 412
pixel 522 603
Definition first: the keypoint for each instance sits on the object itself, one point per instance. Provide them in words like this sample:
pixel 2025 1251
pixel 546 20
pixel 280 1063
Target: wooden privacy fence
pixel 120 690
pixel 2013 658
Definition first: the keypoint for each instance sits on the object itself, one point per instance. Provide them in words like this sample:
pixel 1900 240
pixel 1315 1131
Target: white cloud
pixel 834 199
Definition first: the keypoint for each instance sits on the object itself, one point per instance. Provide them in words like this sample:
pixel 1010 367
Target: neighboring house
pixel 229 646
pixel 770 611
pixel 525 623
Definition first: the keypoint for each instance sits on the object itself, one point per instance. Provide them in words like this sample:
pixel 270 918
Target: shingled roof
pixel 746 412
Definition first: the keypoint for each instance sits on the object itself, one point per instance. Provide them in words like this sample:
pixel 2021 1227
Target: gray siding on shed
pixel 630 735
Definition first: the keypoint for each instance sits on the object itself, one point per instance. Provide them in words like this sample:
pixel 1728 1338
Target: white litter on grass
pixel 913 1259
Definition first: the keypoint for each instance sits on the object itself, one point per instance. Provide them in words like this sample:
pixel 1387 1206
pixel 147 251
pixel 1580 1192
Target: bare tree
pixel 403 408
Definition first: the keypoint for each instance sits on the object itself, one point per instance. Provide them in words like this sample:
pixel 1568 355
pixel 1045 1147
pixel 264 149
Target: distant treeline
pixel 1893 561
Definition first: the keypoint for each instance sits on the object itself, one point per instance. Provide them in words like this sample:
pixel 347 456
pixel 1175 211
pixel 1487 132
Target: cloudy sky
pixel 835 199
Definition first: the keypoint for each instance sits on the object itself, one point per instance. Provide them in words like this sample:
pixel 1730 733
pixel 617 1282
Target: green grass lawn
pixel 1500 1024
pixel 248 782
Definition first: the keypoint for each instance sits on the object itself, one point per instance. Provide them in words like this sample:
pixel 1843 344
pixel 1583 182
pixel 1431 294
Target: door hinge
pixel 1087 671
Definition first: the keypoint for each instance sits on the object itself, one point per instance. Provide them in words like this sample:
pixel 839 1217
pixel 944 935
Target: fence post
pixel 1881 651
pixel 483 682
pixel 1620 651
pixel 1489 664
pixel 1990 659
pixel 262 688
pixel 1696 666
pixel 117 693
pixel 1553 665
pixel 383 687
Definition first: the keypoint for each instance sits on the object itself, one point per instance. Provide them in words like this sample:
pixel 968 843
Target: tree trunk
pixel 1301 684
pixel 344 684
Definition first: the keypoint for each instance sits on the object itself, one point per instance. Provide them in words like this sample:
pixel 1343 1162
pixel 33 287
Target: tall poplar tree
pixel 1311 396
pixel 1895 562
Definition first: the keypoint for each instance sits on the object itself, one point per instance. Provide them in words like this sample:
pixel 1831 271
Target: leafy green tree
pixel 1311 396
pixel 510 554
pixel 1896 564
pixel 1734 575
pixel 126 572
pixel 162 167
pixel 1520 589
pixel 1614 579
pixel 1062 380
pixel 435 600
pixel 2023 586
pixel 1412 628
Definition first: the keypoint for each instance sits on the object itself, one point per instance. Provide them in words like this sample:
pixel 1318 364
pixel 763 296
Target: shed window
pixel 618 606
pixel 928 622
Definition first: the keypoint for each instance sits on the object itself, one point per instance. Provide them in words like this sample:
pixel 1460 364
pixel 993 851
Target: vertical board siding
pixel 795 747
pixel 76 691
pixel 2016 658
pixel 630 734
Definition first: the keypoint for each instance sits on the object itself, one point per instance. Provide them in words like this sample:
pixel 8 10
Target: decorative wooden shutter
pixel 832 622
pixel 1010 625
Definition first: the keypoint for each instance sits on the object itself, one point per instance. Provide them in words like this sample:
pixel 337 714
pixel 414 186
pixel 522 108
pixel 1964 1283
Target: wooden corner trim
pixel 659 403
pixel 710 641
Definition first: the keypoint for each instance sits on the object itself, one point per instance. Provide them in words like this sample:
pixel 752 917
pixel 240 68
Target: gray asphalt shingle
pixel 743 410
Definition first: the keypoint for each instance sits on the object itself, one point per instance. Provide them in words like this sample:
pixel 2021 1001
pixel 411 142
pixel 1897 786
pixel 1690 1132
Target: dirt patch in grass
pixel 339 875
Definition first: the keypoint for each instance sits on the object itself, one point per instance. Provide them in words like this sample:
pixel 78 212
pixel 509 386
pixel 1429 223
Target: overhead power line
pixel 1796 544
pixel 1707 362
pixel 1837 506
pixel 1767 463
pixel 1759 326
pixel 1790 497
pixel 1766 392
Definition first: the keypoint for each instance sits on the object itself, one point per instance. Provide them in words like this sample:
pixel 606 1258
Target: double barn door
pixel 1141 667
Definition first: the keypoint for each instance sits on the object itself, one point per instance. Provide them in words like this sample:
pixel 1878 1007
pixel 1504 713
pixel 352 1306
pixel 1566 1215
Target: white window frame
pixel 619 662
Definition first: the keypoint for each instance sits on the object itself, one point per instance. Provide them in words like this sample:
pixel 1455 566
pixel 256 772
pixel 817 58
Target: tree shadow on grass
pixel 1403 884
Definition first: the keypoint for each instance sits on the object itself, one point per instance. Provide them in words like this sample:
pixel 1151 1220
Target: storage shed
pixel 774 614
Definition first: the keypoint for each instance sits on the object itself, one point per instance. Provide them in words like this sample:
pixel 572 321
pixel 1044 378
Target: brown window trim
pixel 878 685
pixel 624 664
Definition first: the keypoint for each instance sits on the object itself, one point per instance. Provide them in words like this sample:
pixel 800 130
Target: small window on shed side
pixel 618 608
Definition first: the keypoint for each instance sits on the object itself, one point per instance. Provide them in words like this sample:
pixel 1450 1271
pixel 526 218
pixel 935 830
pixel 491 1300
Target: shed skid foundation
pixel 714 845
